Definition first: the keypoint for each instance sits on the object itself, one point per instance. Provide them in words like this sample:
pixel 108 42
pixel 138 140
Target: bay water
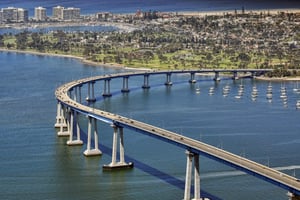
pixel 36 164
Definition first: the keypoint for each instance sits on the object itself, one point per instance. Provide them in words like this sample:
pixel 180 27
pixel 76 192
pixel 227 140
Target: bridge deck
pixel 261 171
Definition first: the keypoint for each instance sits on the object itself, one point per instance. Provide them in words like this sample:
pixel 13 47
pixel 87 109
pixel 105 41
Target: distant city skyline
pixel 15 14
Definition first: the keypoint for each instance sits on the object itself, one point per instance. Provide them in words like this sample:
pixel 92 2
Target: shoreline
pixel 118 66
pixel 81 59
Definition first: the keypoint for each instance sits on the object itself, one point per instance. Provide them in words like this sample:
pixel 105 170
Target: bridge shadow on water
pixel 143 166
pixel 150 170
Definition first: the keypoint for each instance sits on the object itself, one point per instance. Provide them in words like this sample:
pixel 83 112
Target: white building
pixel 12 14
pixel 57 12
pixel 1 16
pixel 71 13
pixel 40 14
pixel 22 15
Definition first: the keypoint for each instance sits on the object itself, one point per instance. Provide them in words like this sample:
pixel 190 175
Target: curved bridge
pixel 69 106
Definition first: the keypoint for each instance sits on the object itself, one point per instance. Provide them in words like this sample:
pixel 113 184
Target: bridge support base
pixel 64 124
pixel 96 151
pixel 293 196
pixel 118 166
pixel 118 134
pixel 75 142
pixel 72 142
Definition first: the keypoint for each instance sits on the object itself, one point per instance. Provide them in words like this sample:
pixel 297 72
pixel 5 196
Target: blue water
pixel 36 164
pixel 129 6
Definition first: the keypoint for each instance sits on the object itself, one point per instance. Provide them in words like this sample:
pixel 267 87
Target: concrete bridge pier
pixel 70 93
pixel 188 178
pixel 217 76
pixel 293 196
pixel 96 151
pixel 64 125
pixel 168 79
pixel 192 80
pixel 91 92
pixel 106 92
pixel 117 135
pixel 235 75
pixel 125 84
pixel 146 82
pixel 71 141
pixel 79 93
pixel 59 117
pixel 75 94
pixel 253 74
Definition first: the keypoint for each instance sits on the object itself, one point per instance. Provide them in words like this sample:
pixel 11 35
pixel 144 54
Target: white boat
pixel 296 88
pixel 211 91
pixel 269 96
pixel 298 104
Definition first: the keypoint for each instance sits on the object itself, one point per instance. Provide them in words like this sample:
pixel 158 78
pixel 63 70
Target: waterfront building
pixel 71 13
pixel 40 14
pixel 22 15
pixel 12 14
pixel 103 16
pixel 61 13
pixel 57 12
pixel 1 16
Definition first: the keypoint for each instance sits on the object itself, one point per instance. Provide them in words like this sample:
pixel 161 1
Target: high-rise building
pixel 12 14
pixel 61 13
pixel 1 16
pixel 71 13
pixel 40 14
pixel 22 15
pixel 57 12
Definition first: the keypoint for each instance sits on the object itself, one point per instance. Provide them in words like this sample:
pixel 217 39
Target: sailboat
pixel 197 89
pixel 296 88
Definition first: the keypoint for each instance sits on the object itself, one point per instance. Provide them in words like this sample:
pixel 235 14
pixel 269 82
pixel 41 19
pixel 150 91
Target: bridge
pixel 69 106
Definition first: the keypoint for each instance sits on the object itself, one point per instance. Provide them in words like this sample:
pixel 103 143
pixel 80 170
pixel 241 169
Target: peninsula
pixel 154 40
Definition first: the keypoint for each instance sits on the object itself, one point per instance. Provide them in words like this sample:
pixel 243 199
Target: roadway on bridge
pixel 261 171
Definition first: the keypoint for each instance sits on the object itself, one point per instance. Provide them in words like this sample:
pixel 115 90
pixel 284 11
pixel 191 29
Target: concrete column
pixel 78 128
pixel 192 80
pixel 79 93
pixel 235 75
pixel 63 128
pixel 71 141
pixel 188 176
pixel 91 92
pixel 115 146
pixel 217 78
pixel 59 120
pixel 122 157
pixel 89 151
pixel 196 177
pixel 168 79
pixel 96 136
pixel 70 93
pixel 88 147
pixel 146 82
pixel 106 92
pixel 70 126
pixel 125 84
pixel 75 94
